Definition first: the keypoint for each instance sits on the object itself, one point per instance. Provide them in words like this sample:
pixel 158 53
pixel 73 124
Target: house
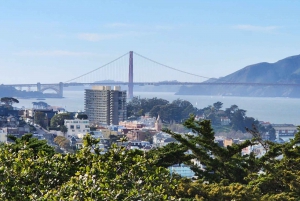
pixel 11 130
pixel 131 124
pixel 161 139
pixel 77 126
pixel 12 121
pixel 24 129
pixel 136 135
pixel 3 136
pixel 225 121
pixel 285 131
pixel 230 142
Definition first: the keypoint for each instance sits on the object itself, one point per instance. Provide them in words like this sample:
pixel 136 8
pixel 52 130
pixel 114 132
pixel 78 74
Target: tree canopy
pixel 119 174
pixel 59 119
pixel 9 101
pixel 226 173
pixel 31 170
pixel 82 116
pixel 178 110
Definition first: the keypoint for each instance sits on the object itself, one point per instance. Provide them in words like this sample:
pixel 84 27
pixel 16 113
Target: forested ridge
pixel 179 110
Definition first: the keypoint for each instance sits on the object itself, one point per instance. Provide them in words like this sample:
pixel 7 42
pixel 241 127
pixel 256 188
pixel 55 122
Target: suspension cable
pixel 98 68
pixel 172 67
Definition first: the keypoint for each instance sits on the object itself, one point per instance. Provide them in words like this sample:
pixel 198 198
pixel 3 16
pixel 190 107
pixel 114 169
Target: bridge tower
pixel 61 90
pixel 130 81
pixel 38 87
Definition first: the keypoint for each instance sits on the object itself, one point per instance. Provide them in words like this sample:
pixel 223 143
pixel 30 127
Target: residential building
pixel 105 105
pixel 131 124
pixel 77 126
pixel 225 121
pixel 3 136
pixel 285 131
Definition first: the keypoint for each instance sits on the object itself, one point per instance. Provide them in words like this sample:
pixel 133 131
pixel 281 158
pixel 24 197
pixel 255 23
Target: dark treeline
pixel 177 110
pixel 180 110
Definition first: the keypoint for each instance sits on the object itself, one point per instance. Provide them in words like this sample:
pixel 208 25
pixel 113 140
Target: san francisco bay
pixel 274 110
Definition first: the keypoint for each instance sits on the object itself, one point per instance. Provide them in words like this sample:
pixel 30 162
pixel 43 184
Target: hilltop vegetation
pixel 30 170
pixel 283 71
pixel 179 110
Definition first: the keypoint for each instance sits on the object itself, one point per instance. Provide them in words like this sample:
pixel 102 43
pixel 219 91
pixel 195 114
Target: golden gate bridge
pixel 141 71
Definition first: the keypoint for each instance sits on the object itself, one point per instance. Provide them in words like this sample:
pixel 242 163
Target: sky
pixel 55 41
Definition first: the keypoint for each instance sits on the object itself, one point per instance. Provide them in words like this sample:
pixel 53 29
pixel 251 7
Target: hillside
pixel 283 71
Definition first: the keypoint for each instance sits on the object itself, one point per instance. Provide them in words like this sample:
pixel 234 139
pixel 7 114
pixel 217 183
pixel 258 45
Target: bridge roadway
pixel 58 87
pixel 157 84
pixel 182 83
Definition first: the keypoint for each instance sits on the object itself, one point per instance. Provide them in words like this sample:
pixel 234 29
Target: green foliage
pixel 40 104
pixel 119 174
pixel 220 163
pixel 169 155
pixel 82 116
pixel 30 170
pixel 31 143
pixel 227 174
pixel 39 118
pixel 138 107
pixel 178 110
pixel 62 142
pixel 9 100
pixel 59 119
pixel 63 129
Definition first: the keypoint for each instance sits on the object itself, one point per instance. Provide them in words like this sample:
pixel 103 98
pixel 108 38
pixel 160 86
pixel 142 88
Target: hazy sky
pixel 52 41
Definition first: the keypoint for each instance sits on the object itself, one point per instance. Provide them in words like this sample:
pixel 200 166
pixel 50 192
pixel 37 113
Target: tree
pixel 62 142
pixel 272 134
pixel 119 174
pixel 139 106
pixel 63 129
pixel 59 119
pixel 9 101
pixel 220 163
pixel 169 155
pixel 218 105
pixel 31 143
pixel 82 116
pixel 39 118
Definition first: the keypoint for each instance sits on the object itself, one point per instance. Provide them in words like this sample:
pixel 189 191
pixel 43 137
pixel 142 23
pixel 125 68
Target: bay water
pixel 273 110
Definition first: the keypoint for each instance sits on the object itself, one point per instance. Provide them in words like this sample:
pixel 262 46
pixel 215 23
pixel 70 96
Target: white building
pixel 3 136
pixel 77 126
pixel 96 134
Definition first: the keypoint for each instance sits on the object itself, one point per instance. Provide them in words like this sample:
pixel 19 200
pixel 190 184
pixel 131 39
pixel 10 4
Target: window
pixel 71 126
pixel 87 126
pixel 77 126
pixel 73 130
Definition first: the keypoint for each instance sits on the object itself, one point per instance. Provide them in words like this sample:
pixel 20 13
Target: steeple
pixel 158 124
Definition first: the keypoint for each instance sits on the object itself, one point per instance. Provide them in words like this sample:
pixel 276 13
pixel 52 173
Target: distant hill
pixel 283 71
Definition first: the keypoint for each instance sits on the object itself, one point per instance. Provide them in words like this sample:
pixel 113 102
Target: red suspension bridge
pixel 141 71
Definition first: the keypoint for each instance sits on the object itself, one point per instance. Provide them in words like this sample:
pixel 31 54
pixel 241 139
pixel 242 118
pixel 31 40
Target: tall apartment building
pixel 105 105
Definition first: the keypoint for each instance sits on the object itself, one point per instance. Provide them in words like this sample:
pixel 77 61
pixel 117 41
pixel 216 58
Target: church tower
pixel 158 124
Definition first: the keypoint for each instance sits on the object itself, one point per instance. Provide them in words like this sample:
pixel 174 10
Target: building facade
pixel 105 105
pixel 77 126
